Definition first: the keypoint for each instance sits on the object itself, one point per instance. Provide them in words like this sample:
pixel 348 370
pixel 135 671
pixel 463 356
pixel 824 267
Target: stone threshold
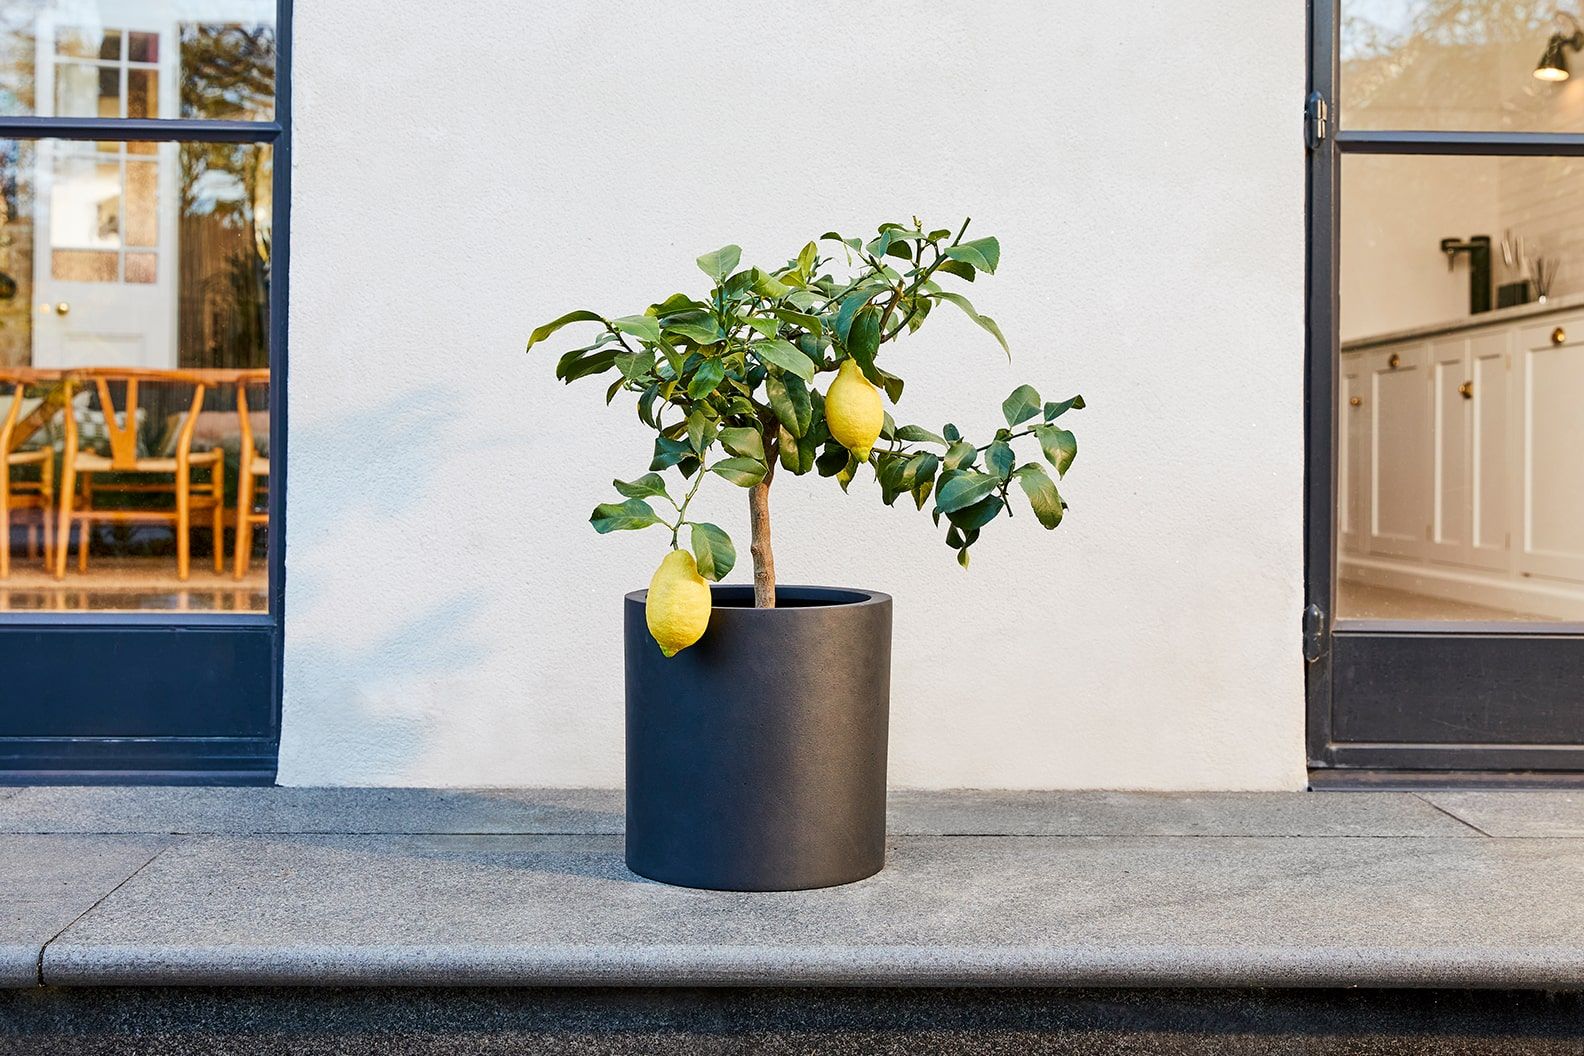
pixel 458 887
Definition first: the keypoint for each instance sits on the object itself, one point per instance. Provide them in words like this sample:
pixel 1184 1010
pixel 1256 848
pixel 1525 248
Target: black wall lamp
pixel 1553 65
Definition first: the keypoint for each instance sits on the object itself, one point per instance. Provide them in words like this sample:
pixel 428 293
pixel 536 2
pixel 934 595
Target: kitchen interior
pixel 1460 486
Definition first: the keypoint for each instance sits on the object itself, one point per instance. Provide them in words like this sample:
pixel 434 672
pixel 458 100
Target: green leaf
pixel 1059 445
pixel 743 472
pixel 742 440
pixel 789 399
pixel 832 460
pixel 971 518
pixel 806 258
pixel 643 327
pixel 705 378
pixel 960 455
pixel 964 489
pixel 920 469
pixel 958 268
pixel 721 263
pixel 981 253
pixel 962 557
pixel 797 453
pixel 999 459
pixel 669 452
pixel 582 362
pixel 782 354
pixel 850 305
pixel 582 316
pixel 984 321
pixel 811 323
pixel 1042 493
pixel 700 431
pixel 1023 404
pixel 863 339
pixel 646 486
pixel 622 516
pixel 918 435
pixel 713 551
pixel 762 326
pixel 768 286
pixel 698 333
pixel 1056 410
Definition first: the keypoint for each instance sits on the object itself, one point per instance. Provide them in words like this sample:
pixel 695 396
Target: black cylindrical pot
pixel 756 758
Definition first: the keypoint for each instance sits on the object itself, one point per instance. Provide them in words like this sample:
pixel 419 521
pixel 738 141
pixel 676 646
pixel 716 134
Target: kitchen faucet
pixel 1478 248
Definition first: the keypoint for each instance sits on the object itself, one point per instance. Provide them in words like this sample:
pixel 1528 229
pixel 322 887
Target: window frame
pixel 1405 662
pixel 255 639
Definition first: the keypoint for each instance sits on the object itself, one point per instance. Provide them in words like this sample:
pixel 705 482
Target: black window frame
pixel 241 650
pixel 1406 666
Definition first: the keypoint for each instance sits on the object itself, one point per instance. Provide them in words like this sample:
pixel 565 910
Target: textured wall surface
pixel 462 176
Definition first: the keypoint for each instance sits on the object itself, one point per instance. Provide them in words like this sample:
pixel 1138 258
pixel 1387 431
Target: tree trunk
pixel 759 524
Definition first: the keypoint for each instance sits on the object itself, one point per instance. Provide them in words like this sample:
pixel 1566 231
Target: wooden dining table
pixel 54 399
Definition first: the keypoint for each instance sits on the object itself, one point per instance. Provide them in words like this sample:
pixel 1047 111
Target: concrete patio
pixel 266 887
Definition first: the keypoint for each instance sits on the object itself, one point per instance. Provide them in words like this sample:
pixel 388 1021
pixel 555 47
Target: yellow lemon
pixel 677 609
pixel 853 410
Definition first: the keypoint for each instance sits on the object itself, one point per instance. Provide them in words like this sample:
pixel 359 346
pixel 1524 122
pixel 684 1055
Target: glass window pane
pixel 1461 383
pixel 86 90
pixel 142 267
pixel 142 93
pixel 142 203
pixel 76 295
pixel 218 54
pixel 143 47
pixel 82 43
pixel 83 265
pixel 1459 65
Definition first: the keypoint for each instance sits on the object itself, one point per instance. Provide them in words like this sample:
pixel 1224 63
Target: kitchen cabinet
pixel 1461 463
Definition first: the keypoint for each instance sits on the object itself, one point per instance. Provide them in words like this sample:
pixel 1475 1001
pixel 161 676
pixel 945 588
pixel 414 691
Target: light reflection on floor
pixel 132 585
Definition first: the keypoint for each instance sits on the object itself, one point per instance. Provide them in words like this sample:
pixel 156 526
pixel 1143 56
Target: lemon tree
pixel 731 384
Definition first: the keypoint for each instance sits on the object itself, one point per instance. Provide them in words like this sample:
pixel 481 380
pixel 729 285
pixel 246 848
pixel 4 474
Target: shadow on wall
pixel 366 660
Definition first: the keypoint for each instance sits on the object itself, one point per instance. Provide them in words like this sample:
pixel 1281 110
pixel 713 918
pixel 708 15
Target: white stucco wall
pixel 463 174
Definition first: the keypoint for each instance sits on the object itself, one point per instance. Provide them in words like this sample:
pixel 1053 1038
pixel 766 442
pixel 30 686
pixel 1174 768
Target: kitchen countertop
pixel 1468 322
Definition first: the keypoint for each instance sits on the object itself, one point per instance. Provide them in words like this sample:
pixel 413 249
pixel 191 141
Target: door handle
pixel 1355 401
pixel 1466 390
pixel 62 308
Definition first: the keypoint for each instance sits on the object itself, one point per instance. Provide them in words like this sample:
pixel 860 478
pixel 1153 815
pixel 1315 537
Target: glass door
pixel 1445 626
pixel 142 309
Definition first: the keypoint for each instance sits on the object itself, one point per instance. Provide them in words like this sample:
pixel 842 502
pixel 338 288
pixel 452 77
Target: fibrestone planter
pixel 756 758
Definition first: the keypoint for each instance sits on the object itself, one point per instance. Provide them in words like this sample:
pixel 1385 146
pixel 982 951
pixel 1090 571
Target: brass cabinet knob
pixel 1558 336
pixel 1356 401
pixel 62 308
pixel 1395 361
pixel 1466 390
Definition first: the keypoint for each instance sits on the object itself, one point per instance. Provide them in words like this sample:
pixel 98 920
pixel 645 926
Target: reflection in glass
pixel 106 58
pixel 1453 65
pixel 156 263
pixel 1459 491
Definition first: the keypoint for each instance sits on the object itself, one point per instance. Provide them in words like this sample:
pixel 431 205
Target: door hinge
pixel 1314 633
pixel 1316 120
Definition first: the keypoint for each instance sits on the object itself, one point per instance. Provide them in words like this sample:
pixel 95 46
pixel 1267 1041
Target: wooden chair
pixel 121 428
pixel 250 467
pixel 24 494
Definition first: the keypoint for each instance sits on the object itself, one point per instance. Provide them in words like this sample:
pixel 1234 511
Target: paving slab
pixel 1516 813
pixel 198 810
pixel 1078 911
pixel 546 811
pixel 1341 814
pixel 46 882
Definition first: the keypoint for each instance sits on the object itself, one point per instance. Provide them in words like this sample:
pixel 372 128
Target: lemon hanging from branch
pixel 677 609
pixel 853 410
